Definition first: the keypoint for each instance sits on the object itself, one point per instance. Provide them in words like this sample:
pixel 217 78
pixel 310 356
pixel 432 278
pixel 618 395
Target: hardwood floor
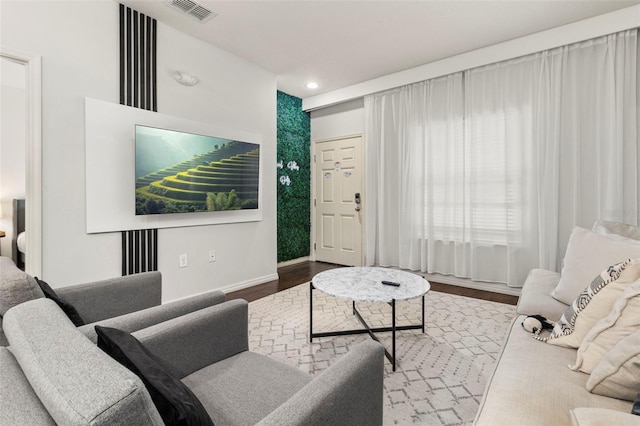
pixel 292 275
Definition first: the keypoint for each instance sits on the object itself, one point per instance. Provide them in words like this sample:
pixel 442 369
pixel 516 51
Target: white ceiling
pixel 341 43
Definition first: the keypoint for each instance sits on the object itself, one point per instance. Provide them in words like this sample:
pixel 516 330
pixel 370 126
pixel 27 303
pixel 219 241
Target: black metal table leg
pixel 393 333
pixel 423 313
pixel 311 311
pixel 391 356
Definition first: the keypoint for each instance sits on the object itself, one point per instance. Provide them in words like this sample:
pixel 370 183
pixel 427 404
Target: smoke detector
pixel 193 9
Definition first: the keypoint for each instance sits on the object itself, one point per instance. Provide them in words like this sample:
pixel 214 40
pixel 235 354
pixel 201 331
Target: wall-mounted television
pixel 181 172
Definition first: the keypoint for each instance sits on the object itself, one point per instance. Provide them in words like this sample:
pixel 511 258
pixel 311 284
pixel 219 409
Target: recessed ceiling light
pixel 312 85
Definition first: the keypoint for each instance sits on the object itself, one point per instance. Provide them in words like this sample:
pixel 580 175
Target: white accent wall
pixel 79 45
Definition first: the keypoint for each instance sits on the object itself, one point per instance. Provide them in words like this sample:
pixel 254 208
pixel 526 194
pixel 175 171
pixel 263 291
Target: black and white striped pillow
pixel 574 324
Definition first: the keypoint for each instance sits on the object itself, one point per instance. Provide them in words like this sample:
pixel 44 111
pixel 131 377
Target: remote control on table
pixel 391 283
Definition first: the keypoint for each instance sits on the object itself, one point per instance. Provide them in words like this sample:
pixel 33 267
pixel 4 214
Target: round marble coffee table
pixel 364 284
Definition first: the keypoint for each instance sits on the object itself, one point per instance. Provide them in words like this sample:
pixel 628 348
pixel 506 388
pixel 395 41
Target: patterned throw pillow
pixel 593 304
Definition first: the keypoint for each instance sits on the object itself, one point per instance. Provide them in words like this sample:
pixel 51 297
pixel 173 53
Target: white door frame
pixel 33 151
pixel 314 146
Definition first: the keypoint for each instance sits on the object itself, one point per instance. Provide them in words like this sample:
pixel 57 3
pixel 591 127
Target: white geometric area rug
pixel 440 375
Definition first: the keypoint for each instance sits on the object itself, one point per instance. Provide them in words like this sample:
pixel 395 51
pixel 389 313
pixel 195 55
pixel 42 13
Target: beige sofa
pixel 532 383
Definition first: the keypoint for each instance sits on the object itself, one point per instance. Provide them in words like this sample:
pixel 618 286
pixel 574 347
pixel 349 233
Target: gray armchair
pixel 130 303
pixel 206 349
pixel 209 351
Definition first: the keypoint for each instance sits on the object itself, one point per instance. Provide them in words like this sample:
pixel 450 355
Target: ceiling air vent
pixel 191 8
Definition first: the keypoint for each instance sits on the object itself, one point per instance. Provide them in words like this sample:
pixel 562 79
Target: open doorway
pixel 21 154
pixel 13 142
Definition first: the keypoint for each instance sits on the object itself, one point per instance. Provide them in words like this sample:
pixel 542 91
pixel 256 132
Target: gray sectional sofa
pixel 131 302
pixel 53 373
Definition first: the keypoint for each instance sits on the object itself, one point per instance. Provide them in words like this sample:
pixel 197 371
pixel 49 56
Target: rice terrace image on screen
pixel 178 172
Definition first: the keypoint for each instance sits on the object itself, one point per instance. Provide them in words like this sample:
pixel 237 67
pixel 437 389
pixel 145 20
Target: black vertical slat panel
pixel 122 57
pixel 150 265
pixel 139 251
pixel 143 250
pixel 150 246
pixel 148 65
pixel 129 57
pixel 155 250
pixel 152 249
pixel 140 258
pixel 143 61
pixel 138 83
pixel 136 39
pixel 130 254
pixel 136 253
pixel 144 267
pixel 154 67
pixel 124 253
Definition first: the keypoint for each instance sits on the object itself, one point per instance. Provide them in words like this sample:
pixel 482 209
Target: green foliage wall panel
pixel 294 178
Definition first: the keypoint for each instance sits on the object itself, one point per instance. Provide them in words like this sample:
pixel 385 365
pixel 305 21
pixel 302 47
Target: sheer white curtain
pixel 597 124
pixel 483 174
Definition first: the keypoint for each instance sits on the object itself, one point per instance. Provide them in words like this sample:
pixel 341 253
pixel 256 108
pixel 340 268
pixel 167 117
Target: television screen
pixel 178 172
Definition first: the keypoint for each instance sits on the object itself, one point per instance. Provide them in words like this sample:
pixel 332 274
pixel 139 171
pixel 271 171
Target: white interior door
pixel 338 210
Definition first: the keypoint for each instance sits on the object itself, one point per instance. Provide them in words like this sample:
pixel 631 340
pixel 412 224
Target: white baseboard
pixel 294 261
pixel 464 282
pixel 232 287
pixel 476 285
pixel 249 283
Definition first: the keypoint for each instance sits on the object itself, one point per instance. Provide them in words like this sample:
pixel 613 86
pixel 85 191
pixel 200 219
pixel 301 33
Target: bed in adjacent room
pixel 18 242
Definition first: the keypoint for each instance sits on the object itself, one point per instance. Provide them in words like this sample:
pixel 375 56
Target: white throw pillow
pixel 593 304
pixel 623 320
pixel 604 227
pixel 587 254
pixel 617 373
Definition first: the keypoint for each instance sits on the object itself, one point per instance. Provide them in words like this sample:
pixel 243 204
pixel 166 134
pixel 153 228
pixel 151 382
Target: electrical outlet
pixel 183 261
pixel 212 255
